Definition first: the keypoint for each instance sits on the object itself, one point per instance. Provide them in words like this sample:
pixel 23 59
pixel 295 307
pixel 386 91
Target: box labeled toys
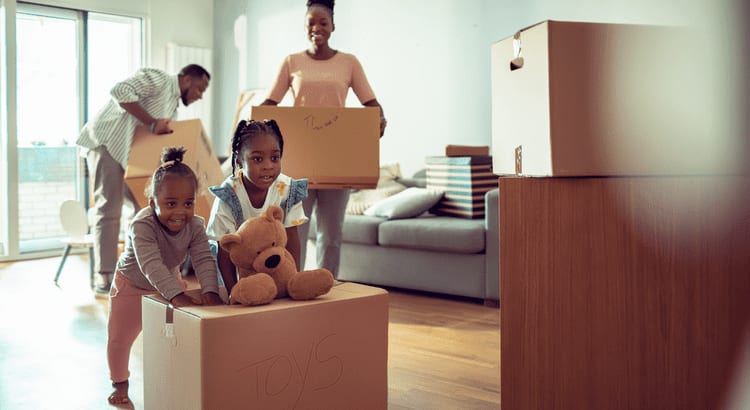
pixel 326 353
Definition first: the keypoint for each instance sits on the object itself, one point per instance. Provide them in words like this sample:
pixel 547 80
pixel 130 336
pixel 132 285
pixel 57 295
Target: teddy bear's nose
pixel 273 261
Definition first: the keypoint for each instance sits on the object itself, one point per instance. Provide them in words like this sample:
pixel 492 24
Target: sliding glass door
pixel 48 118
pixel 67 61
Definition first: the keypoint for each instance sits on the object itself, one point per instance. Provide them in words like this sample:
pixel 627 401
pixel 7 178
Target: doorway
pixel 67 60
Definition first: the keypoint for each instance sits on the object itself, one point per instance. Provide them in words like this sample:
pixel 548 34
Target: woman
pixel 321 77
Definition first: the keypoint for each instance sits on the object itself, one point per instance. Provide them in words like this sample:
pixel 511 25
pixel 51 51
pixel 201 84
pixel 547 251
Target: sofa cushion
pixel 360 200
pixel 434 233
pixel 405 204
pixel 361 229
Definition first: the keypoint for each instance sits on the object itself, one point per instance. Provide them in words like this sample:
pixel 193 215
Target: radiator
pixel 179 56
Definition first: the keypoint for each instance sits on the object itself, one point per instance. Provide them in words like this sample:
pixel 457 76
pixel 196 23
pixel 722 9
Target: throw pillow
pixel 408 203
pixel 387 186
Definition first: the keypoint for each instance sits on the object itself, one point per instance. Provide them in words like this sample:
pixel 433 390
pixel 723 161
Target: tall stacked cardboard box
pixel 593 99
pixel 617 273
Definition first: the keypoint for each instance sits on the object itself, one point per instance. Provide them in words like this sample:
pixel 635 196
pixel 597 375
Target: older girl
pixel 256 182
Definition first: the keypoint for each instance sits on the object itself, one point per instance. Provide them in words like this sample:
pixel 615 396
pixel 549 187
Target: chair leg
pixel 62 262
pixel 91 267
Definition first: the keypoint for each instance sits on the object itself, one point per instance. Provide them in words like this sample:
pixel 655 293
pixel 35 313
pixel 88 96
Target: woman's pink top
pixel 321 83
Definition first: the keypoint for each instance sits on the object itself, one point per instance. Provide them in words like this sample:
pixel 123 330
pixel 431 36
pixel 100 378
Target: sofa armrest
pixel 492 244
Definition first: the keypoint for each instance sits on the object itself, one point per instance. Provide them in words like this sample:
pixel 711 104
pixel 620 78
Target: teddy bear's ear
pixel 229 240
pixel 275 212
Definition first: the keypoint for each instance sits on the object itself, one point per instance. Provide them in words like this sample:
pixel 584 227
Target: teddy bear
pixel 265 267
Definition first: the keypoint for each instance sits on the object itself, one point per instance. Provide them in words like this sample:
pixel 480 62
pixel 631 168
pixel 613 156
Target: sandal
pixel 120 395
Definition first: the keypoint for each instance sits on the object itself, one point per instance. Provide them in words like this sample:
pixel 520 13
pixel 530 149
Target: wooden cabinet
pixel 622 293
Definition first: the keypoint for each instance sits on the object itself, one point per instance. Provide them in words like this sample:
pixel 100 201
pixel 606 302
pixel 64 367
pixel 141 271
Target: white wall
pixel 428 64
pixel 184 22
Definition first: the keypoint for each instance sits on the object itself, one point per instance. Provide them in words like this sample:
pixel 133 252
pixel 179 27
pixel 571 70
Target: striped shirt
pixel 113 127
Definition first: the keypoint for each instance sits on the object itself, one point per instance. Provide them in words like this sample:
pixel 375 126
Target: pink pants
pixel 124 324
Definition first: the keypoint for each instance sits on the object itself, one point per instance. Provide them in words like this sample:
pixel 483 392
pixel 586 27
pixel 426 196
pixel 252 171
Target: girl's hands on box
pixel 183 300
pixel 211 298
pixel 207 299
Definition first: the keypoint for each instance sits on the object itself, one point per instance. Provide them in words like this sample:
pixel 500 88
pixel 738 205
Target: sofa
pixel 431 253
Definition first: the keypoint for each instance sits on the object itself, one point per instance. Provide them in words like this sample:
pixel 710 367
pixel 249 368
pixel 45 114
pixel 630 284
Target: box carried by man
pixel 200 157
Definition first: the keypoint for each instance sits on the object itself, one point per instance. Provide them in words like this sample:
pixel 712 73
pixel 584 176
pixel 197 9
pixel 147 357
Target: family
pixel 162 235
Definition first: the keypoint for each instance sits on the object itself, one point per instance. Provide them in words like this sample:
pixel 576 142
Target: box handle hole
pixel 517 61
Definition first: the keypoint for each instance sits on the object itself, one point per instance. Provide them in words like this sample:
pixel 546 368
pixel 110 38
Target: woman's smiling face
pixel 319 25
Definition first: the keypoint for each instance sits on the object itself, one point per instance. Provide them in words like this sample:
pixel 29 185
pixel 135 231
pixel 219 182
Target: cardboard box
pixel 464 181
pixel 452 150
pixel 594 99
pixel 145 155
pixel 332 147
pixel 327 353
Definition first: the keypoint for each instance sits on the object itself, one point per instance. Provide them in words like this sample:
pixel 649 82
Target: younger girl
pixel 256 182
pixel 160 237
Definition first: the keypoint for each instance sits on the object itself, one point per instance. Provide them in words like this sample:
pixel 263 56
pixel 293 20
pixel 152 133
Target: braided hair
pixel 171 164
pixel 327 4
pixel 247 130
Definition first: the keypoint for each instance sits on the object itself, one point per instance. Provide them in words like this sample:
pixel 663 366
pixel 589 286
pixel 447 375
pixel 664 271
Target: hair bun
pixel 325 3
pixel 172 154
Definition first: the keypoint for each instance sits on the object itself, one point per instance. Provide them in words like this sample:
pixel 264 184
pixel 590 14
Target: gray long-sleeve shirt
pixel 153 255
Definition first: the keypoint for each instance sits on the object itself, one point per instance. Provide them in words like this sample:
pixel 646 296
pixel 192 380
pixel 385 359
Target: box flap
pixel 341 292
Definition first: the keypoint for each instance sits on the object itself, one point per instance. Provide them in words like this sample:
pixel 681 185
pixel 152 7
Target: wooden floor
pixel 443 352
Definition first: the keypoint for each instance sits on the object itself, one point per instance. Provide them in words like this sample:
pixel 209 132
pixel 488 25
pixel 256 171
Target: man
pixel 149 97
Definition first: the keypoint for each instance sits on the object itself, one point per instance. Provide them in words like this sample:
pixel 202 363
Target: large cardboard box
pixel 464 181
pixel 590 99
pixel 145 154
pixel 327 353
pixel 332 147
